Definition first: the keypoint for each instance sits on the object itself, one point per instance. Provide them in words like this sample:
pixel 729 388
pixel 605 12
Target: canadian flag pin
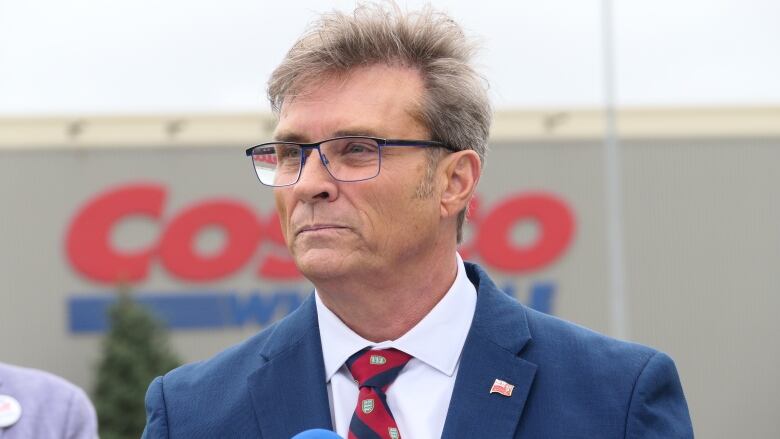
pixel 502 387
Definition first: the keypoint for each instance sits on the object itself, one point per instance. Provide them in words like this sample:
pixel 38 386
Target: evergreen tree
pixel 135 351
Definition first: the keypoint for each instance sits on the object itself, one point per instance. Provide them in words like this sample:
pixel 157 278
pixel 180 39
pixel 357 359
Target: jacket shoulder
pixel 52 405
pixel 182 402
pixel 236 361
pixel 38 382
pixel 553 336
pixel 608 387
pixel 229 369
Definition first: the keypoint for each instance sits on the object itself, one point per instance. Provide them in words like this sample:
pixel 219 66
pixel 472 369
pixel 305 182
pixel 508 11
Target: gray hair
pixel 454 107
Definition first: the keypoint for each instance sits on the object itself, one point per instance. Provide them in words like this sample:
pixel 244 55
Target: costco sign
pixel 91 252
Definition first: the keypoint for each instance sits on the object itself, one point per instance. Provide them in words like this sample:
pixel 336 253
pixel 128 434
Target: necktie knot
pixel 377 368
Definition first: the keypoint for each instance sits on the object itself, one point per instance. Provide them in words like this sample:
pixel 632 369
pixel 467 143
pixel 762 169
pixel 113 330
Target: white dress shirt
pixel 420 396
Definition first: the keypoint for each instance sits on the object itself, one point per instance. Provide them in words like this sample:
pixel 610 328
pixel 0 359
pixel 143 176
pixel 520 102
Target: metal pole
pixel 614 205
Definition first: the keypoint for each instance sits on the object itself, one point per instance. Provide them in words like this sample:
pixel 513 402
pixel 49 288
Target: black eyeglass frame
pixel 381 143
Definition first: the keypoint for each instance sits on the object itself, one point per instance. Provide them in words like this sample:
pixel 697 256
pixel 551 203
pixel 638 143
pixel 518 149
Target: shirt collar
pixel 436 340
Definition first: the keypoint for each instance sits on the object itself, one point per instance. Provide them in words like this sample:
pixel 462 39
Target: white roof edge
pixel 246 129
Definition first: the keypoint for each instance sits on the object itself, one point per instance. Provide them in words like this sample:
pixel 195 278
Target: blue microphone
pixel 317 433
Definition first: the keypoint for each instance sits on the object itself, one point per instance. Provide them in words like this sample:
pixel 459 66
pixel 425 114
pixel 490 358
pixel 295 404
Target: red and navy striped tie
pixel 374 371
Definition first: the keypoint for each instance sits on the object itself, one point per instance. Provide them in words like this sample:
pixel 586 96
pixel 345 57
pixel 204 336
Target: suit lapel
pixel 497 335
pixel 288 391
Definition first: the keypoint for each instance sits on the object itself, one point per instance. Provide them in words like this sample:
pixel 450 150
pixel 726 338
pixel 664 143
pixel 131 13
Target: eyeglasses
pixel 347 158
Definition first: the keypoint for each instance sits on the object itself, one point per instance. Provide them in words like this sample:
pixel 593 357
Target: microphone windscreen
pixel 317 433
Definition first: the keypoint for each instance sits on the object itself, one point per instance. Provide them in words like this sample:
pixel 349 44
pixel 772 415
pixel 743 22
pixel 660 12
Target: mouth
pixel 319 228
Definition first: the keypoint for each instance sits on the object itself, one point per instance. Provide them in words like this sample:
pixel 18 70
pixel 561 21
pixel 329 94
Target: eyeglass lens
pixel 347 159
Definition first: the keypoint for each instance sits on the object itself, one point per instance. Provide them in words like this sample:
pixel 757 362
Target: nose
pixel 316 182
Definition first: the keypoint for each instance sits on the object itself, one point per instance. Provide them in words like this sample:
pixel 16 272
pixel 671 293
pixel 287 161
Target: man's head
pixel 454 106
pixel 384 74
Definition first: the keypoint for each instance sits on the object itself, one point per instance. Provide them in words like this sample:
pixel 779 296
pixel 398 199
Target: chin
pixel 322 263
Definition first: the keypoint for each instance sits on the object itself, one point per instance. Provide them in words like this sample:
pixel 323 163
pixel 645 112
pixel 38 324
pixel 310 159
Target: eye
pixel 287 152
pixel 359 147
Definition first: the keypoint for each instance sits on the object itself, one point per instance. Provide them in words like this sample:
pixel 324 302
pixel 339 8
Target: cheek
pixel 389 207
pixel 399 213
pixel 374 211
pixel 282 211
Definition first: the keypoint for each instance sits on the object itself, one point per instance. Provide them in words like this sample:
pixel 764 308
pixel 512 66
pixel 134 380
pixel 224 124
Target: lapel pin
pixel 502 387
pixel 10 411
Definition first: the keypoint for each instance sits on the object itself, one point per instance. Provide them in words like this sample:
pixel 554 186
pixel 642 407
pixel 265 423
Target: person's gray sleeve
pixel 81 420
pixel 658 408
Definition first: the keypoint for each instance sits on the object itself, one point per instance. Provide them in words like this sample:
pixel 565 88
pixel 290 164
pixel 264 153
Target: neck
pixel 385 304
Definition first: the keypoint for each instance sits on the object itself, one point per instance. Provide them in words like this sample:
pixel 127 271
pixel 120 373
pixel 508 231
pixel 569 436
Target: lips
pixel 316 227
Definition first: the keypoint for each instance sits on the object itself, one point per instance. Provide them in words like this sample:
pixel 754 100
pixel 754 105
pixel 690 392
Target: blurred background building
pixel 632 184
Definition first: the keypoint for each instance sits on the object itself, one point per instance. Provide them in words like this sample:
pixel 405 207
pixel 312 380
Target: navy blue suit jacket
pixel 569 382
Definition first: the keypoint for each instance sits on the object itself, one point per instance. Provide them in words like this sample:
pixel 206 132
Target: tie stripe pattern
pixel 375 371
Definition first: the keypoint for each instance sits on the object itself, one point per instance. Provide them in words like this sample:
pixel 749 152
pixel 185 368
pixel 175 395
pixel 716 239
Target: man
pixel 37 404
pixel 383 127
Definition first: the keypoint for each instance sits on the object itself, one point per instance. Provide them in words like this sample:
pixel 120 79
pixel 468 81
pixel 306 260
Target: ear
pixel 462 170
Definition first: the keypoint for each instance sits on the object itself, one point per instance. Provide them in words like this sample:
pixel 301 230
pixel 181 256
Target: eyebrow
pixel 357 132
pixel 289 136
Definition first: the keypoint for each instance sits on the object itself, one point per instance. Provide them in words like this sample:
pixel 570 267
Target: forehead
pixel 376 100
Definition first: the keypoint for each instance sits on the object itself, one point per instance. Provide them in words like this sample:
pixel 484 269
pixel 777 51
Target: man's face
pixel 335 228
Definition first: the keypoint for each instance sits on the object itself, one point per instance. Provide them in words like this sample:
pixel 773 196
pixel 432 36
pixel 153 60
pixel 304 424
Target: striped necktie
pixel 374 371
